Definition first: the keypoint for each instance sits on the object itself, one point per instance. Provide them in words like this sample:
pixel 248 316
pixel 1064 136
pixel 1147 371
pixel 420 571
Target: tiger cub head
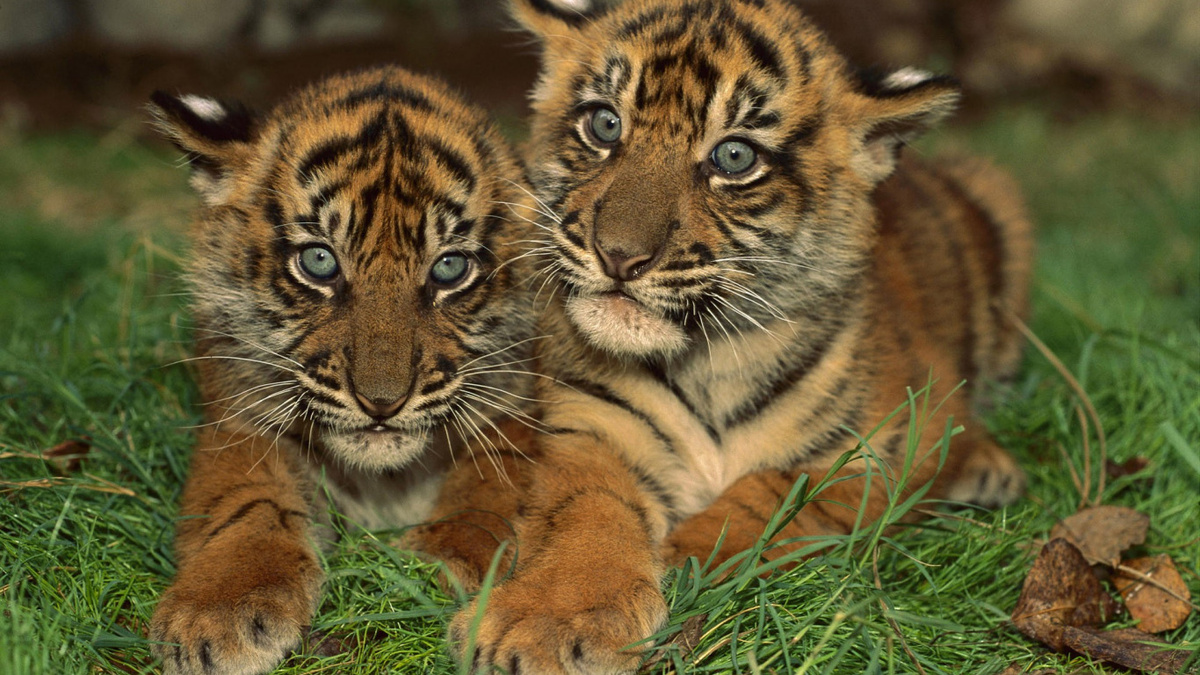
pixel 711 163
pixel 350 264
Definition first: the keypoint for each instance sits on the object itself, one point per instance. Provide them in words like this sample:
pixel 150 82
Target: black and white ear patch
pixel 898 106
pixel 906 78
pixel 205 118
pixel 884 84
pixel 215 136
pixel 571 12
pixel 209 109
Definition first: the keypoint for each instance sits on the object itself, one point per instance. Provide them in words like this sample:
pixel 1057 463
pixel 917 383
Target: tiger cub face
pixel 711 163
pixel 349 263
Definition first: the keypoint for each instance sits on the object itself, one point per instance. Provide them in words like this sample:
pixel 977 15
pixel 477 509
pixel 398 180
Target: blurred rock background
pixel 92 63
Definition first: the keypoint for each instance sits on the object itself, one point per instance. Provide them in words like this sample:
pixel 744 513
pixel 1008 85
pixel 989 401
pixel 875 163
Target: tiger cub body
pixel 354 271
pixel 750 274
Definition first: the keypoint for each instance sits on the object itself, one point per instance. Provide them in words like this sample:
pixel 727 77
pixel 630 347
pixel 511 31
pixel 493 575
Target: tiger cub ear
pixel 216 136
pixel 893 109
pixel 550 20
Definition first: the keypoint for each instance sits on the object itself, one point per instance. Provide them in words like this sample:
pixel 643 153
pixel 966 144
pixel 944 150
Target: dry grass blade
pixel 46 483
pixel 1075 387
pixel 1087 463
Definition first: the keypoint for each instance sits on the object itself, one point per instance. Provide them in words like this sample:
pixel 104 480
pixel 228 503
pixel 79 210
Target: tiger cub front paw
pixel 235 616
pixel 547 625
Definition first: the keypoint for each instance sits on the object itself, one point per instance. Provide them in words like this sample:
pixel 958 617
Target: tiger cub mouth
pixel 377 447
pixel 620 324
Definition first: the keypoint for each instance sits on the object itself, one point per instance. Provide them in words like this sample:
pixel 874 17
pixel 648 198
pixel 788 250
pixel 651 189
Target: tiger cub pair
pixel 745 273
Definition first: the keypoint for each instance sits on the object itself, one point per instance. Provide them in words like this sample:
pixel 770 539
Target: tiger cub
pixel 749 273
pixel 355 269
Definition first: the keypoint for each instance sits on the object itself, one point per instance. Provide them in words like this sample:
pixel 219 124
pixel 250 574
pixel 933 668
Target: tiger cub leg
pixel 586 587
pixel 985 473
pixel 739 517
pixel 248 577
pixel 742 513
pixel 977 472
pixel 478 507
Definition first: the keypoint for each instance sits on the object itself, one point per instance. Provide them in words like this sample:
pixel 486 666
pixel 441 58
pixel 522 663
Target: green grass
pixel 92 315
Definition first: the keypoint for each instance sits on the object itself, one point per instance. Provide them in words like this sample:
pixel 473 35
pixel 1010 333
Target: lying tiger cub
pixel 750 272
pixel 355 270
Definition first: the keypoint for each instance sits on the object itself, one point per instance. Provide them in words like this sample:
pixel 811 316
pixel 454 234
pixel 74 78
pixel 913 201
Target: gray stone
pixel 347 20
pixel 30 23
pixel 186 25
pixel 1157 39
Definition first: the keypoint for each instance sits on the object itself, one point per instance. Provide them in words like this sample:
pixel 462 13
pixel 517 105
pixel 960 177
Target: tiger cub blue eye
pixel 449 268
pixel 606 125
pixel 318 262
pixel 734 157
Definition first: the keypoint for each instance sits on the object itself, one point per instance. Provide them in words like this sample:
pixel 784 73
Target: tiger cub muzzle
pixel 382 364
pixel 636 217
pixel 620 307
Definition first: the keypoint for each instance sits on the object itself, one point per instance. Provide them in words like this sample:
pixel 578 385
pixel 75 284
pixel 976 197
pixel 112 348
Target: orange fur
pixel 723 326
pixel 354 272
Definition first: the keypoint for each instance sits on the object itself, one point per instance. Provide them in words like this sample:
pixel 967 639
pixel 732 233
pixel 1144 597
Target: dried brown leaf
pixel 1126 468
pixel 66 456
pixel 1060 590
pixel 1125 648
pixel 1101 533
pixel 1154 593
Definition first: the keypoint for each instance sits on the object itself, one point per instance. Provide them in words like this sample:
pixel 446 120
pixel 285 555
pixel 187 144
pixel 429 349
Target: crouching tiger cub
pixel 356 318
pixel 751 273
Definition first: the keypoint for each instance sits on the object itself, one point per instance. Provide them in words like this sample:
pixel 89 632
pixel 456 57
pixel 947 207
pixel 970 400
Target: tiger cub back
pixel 354 271
pixel 751 273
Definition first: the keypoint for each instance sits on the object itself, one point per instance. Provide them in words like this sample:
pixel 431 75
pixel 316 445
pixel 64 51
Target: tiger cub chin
pixel 355 270
pixel 751 272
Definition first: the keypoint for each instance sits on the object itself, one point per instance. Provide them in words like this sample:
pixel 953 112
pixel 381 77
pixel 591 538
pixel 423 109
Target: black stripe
pixel 967 368
pixel 825 442
pixel 320 397
pixel 599 391
pixel 249 506
pixel 551 514
pixel 323 155
pixel 991 230
pixel 273 211
pixel 805 132
pixel 785 379
pixel 357 230
pixel 636 26
pixel 454 162
pixel 386 91
pixel 226 492
pixel 568 221
pixel 761 50
pixel 655 489
pixel 665 380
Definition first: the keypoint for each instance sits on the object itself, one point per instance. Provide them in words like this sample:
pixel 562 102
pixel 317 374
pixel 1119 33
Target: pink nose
pixel 620 266
pixel 380 409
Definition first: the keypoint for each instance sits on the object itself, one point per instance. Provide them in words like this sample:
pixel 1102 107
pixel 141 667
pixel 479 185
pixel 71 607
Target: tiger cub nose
pixel 621 266
pixel 380 408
